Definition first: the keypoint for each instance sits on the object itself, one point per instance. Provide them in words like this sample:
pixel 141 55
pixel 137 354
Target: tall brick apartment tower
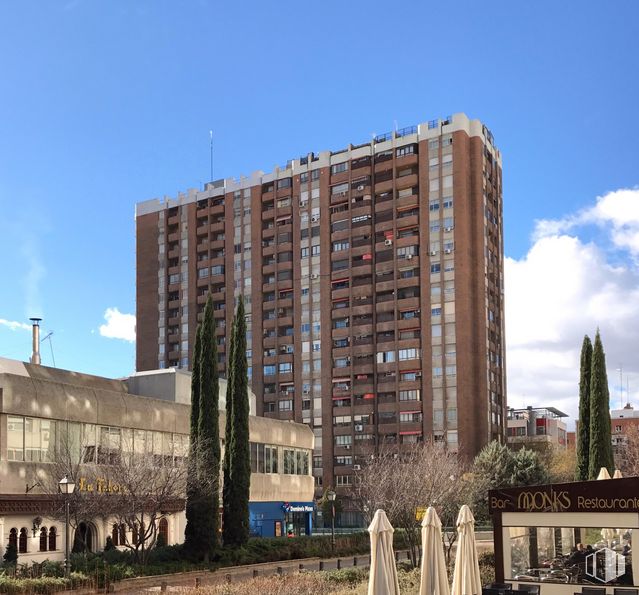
pixel 373 279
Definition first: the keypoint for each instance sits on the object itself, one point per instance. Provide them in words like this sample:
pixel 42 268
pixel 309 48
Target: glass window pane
pixel 15 438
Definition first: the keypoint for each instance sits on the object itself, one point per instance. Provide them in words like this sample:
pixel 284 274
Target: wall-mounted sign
pixel 99 485
pixel 613 495
pixel 297 507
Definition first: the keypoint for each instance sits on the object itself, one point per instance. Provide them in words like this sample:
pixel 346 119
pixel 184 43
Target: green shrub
pixel 50 568
pixel 11 555
pixel 487 567
pixel 346 576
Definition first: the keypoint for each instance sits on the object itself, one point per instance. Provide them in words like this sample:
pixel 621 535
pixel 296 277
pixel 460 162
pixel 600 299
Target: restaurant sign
pixel 99 485
pixel 614 495
pixel 297 507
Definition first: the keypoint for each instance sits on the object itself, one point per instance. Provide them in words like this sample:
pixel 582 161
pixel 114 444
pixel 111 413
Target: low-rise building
pixel 536 427
pixel 41 408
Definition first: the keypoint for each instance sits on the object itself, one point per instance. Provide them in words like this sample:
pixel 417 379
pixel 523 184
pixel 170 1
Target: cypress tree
pixel 209 435
pixel 227 496
pixel 583 437
pixel 600 434
pixel 239 458
pixel 191 532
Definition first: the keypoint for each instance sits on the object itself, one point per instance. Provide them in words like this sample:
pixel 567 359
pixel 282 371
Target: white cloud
pixel 118 325
pixel 616 212
pixel 566 287
pixel 13 325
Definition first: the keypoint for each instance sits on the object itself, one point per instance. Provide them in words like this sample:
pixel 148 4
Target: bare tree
pixel 403 483
pixel 132 485
pixel 144 488
pixel 72 456
pixel 627 456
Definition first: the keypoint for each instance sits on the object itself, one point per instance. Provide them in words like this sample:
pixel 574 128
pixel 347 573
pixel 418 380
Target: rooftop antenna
pixel 620 368
pixel 211 149
pixel 48 336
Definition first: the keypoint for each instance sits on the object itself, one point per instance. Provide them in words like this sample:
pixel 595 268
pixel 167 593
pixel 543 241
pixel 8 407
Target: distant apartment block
pixel 536 428
pixel 373 281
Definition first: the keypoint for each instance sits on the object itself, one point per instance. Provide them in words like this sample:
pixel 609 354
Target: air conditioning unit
pixel 409 256
pixel 359 428
pixel 388 242
pixel 282 348
pixel 448 251
pixel 306 391
pixel 360 187
pixel 314 276
pixel 346 446
pixel 303 203
pixel 448 229
pixel 357 467
pixel 315 218
pixel 433 252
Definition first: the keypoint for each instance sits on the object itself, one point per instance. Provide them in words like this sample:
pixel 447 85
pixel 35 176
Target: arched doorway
pixel 84 538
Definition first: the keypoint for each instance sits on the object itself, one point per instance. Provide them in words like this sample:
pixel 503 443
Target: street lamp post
pixel 66 487
pixel 331 498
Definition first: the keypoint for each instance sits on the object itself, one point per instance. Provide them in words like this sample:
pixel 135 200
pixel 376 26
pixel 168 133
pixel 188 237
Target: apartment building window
pixel 436 267
pixel 217 270
pixel 437 372
pixel 339 189
pixel 201 274
pixel 407 150
pixel 448 203
pixel 343 480
pixel 410 417
pixel 405 354
pixel 433 163
pixel 305 252
pixel 340 225
pixel 343 440
pixel 286 368
pixel 449 224
pixel 315 250
pixel 269 370
pixel 339 167
pixel 411 376
pixel 343 460
pixel 338 246
pixel 447 182
pixel 407 251
pixel 435 227
pixel 285 405
pixel 409 395
pixel 384 357
pixel 433 205
pixel 340 265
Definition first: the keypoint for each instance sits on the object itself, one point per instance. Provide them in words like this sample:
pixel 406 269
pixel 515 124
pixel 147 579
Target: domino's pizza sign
pixel 297 507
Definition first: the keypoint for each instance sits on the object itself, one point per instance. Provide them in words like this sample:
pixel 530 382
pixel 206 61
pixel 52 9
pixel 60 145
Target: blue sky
pixel 105 104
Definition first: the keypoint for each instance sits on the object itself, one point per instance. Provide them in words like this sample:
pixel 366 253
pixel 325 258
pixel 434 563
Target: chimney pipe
pixel 35 357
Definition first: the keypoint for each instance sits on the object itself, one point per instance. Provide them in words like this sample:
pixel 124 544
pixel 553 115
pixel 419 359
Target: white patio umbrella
pixel 434 580
pixel 617 474
pixel 382 578
pixel 466 578
pixel 603 474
